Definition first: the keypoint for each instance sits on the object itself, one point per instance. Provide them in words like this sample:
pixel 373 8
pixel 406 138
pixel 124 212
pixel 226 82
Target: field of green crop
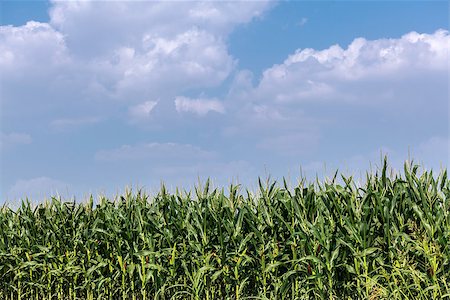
pixel 388 238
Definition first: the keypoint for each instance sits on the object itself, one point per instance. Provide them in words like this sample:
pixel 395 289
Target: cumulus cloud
pixel 192 59
pixel 331 74
pixel 199 106
pixel 364 90
pixel 100 57
pixel 34 43
pixel 157 47
pixel 85 21
pixel 33 56
pixel 333 107
pixel 39 77
pixel 150 61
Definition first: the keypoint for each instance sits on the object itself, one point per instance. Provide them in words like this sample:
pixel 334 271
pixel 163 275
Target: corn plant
pixel 388 238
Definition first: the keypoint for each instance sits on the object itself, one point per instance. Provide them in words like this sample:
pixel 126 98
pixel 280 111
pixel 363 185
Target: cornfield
pixel 388 238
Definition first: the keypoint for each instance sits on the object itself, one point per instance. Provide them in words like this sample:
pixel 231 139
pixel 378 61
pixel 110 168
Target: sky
pixel 98 96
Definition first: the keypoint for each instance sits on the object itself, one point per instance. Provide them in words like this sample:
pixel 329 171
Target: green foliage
pixel 388 239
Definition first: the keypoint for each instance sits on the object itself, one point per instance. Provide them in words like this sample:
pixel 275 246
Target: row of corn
pixel 336 239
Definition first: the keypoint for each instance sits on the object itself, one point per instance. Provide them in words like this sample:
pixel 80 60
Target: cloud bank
pixel 152 90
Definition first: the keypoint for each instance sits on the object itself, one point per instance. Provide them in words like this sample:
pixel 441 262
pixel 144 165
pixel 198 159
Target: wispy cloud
pixel 143 110
pixel 302 22
pixel 12 139
pixel 199 106
pixel 72 123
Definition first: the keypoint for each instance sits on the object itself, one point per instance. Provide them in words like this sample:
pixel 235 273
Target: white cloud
pixel 266 113
pixel 34 43
pixel 331 74
pixel 193 58
pixel 348 96
pixel 37 188
pixel 71 123
pixel 97 58
pixel 198 106
pixel 158 48
pixel 364 57
pixel 116 58
pixel 38 75
pixel 326 106
pixel 12 139
pixel 143 110
pixel 100 56
pixel 83 21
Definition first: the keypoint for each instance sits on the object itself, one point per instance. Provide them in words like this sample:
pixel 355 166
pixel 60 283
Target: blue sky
pixel 97 96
